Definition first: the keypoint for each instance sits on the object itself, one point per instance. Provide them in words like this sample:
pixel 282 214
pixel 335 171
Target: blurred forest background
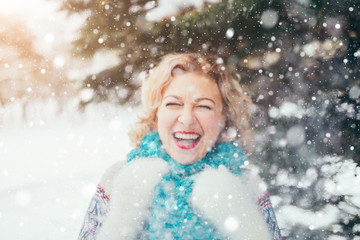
pixel 300 61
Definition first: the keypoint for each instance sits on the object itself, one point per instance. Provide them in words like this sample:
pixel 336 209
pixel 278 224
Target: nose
pixel 187 116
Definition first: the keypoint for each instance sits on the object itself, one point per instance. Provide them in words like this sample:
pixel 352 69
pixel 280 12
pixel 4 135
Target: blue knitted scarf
pixel 172 215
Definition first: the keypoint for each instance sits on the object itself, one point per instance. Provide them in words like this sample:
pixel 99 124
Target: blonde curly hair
pixel 237 105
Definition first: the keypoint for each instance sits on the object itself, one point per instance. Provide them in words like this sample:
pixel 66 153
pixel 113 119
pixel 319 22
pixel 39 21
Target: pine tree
pixel 300 61
pixel 122 26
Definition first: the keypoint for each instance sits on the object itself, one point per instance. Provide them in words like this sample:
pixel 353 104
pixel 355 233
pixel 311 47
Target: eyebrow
pixel 196 100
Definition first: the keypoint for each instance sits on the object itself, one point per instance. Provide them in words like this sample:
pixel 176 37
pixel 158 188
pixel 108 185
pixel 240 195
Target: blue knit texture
pixel 172 214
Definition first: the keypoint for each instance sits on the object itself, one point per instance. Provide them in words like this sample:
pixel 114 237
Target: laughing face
pixel 190 117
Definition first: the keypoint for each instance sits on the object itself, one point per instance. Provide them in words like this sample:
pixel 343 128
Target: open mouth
pixel 186 140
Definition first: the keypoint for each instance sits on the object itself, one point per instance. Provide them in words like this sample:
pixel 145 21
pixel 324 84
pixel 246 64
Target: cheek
pixel 212 125
pixel 164 119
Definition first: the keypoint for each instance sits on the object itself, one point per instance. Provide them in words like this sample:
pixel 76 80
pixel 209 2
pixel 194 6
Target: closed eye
pixel 172 104
pixel 204 106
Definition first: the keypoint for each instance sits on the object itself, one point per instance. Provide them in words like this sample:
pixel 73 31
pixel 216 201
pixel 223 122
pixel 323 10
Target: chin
pixel 187 162
pixel 184 160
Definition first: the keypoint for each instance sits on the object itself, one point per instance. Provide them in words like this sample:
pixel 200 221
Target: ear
pixel 223 121
pixel 227 130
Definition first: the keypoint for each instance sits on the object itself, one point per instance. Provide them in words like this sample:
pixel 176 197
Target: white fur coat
pixel 226 200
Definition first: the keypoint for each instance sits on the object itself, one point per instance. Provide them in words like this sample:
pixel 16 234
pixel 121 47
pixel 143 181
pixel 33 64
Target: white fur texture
pixel 250 177
pixel 219 196
pixel 131 198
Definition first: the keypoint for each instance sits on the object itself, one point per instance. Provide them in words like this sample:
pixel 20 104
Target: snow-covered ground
pixel 50 164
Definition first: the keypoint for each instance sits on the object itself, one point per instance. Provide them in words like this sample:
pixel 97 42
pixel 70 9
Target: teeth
pixel 187 136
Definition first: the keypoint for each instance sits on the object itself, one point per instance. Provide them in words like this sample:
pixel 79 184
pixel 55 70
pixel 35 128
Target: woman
pixel 186 178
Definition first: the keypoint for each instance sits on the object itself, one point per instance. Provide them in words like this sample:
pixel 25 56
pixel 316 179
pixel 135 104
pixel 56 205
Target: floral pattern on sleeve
pixel 95 215
pixel 266 209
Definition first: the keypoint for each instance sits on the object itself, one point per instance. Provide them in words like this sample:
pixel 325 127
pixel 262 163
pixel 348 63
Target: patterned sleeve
pixel 266 209
pixel 95 215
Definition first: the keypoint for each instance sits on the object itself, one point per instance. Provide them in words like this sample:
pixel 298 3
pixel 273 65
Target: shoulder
pixel 109 175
